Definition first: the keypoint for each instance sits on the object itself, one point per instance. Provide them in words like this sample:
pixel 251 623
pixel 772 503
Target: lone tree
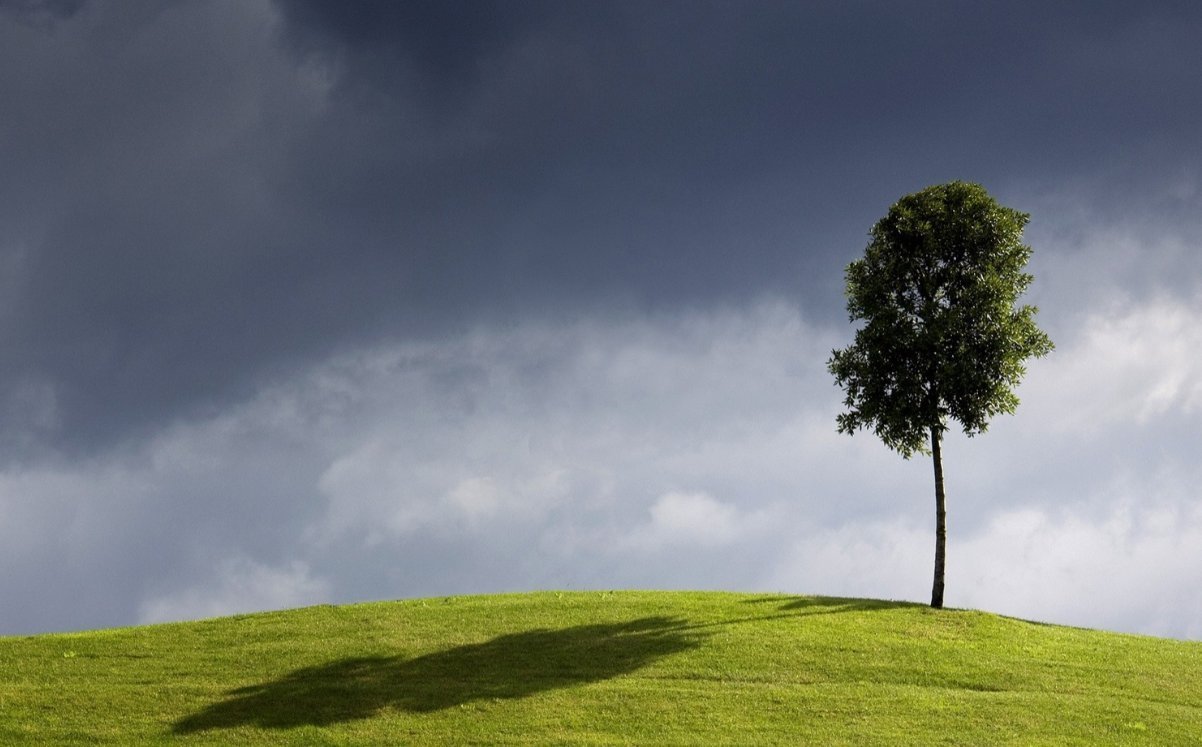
pixel 941 334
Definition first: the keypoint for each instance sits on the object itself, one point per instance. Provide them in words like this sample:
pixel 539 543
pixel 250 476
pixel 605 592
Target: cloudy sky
pixel 311 301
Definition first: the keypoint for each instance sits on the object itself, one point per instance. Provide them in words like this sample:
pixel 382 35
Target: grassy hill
pixel 603 668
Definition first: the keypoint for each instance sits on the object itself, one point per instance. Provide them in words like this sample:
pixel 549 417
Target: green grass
pixel 603 668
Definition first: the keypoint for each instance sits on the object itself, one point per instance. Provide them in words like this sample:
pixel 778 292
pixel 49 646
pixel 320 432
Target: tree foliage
pixel 942 335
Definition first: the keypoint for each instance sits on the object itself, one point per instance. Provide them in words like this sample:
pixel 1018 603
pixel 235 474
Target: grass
pixel 603 668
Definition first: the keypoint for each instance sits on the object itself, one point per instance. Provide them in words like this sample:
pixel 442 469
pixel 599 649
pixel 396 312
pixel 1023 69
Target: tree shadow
pixel 830 605
pixel 509 666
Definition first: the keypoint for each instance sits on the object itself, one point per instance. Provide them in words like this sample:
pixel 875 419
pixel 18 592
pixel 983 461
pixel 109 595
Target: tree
pixel 941 334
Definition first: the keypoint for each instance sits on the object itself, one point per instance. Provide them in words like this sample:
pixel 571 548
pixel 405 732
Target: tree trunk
pixel 940 520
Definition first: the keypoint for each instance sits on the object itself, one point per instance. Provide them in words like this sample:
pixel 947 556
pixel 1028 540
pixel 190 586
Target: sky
pixel 306 301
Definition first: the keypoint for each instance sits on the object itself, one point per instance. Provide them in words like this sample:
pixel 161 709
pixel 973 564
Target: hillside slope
pixel 603 668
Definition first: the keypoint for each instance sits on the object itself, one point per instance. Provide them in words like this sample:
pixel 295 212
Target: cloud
pixel 882 559
pixel 239 585
pixel 430 50
pixel 1095 252
pixel 41 13
pixel 419 299
pixel 679 518
pixel 330 179
pixel 685 450
pixel 507 457
pixel 1134 567
pixel 1129 364
pixel 78 543
pixel 1127 565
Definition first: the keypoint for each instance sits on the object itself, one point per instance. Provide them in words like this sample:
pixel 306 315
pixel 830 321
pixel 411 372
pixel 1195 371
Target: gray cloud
pixel 329 296
pixel 692 449
pixel 40 12
pixel 180 223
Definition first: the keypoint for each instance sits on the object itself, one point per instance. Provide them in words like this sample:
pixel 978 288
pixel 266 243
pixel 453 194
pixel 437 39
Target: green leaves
pixel 943 335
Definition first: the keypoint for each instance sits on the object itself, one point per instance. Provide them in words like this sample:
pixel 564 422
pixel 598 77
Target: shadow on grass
pixel 510 666
pixel 830 605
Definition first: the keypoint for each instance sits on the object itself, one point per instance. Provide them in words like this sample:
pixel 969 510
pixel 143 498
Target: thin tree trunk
pixel 940 520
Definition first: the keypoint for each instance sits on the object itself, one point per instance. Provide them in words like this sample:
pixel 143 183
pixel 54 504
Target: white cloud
pixel 1128 364
pixel 1132 567
pixel 1135 567
pixel 240 585
pixel 876 559
pixel 515 426
pixel 678 518
pixel 689 450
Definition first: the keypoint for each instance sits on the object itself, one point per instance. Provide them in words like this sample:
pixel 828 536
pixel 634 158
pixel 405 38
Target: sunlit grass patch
pixel 603 668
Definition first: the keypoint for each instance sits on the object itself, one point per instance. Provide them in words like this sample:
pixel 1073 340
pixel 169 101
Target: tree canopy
pixel 942 336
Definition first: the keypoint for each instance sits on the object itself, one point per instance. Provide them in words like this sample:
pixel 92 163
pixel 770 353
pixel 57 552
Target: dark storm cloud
pixel 443 45
pixel 40 11
pixel 199 196
pixel 681 151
